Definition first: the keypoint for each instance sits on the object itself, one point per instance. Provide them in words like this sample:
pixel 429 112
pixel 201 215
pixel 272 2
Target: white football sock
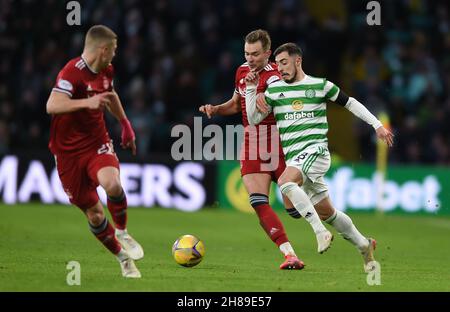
pixel 287 249
pixel 304 206
pixel 344 225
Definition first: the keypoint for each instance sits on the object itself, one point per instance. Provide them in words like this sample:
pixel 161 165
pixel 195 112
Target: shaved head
pixel 99 35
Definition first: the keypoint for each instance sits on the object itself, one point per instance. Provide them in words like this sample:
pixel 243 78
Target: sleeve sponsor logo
pixel 65 85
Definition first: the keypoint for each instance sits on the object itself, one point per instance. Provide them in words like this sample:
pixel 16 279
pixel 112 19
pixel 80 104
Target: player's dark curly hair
pixel 290 48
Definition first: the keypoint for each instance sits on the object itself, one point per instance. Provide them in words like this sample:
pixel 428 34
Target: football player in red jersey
pixel 258 170
pixel 83 150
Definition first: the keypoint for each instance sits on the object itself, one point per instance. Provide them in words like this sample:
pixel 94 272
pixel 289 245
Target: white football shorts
pixel 313 163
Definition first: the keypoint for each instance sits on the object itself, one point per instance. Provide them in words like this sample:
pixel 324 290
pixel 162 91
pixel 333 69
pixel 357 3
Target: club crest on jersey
pixel 310 93
pixel 297 105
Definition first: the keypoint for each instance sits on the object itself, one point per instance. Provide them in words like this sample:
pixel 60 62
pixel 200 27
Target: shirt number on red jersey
pixel 106 148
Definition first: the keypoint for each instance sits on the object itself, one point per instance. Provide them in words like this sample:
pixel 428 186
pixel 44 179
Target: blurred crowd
pixel 175 55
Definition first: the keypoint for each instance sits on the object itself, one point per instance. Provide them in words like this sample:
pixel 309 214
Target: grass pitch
pixel 39 240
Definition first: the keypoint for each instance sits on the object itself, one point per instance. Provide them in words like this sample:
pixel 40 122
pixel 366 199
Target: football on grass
pixel 188 250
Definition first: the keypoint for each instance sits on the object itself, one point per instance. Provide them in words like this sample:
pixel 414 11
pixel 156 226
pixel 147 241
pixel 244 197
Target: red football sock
pixel 117 206
pixel 268 219
pixel 105 234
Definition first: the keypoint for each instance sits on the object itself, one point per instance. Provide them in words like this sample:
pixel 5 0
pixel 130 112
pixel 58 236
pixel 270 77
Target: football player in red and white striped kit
pixel 257 170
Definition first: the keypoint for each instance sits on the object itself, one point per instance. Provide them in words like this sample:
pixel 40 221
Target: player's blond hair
pixel 259 35
pixel 97 35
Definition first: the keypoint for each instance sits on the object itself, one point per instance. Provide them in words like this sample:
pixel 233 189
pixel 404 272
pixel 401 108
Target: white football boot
pixel 369 259
pixel 129 269
pixel 324 239
pixel 131 246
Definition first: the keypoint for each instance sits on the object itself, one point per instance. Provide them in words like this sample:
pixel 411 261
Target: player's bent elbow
pixel 50 108
pixel 56 103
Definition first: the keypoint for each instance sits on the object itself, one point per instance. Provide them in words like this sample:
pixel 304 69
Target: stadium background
pixel 169 63
pixel 175 55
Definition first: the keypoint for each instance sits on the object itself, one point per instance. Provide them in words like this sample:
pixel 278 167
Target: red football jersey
pixel 84 129
pixel 267 75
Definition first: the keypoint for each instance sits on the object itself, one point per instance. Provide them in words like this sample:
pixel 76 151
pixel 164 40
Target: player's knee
pixel 286 187
pixel 287 177
pixel 113 188
pixel 282 180
pixel 95 217
pixel 324 215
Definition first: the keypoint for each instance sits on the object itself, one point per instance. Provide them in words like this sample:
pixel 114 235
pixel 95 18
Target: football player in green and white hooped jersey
pixel 299 105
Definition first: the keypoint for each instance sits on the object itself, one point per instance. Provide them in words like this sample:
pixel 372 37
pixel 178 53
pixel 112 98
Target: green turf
pixel 39 240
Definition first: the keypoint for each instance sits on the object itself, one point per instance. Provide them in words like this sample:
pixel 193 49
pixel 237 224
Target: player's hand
pixel 385 135
pixel 99 101
pixel 261 103
pixel 128 137
pixel 208 109
pixel 252 78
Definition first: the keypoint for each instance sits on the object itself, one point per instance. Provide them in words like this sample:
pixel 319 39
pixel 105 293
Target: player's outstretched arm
pixel 360 111
pixel 128 137
pixel 230 107
pixel 254 116
pixel 61 103
pixel 385 135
